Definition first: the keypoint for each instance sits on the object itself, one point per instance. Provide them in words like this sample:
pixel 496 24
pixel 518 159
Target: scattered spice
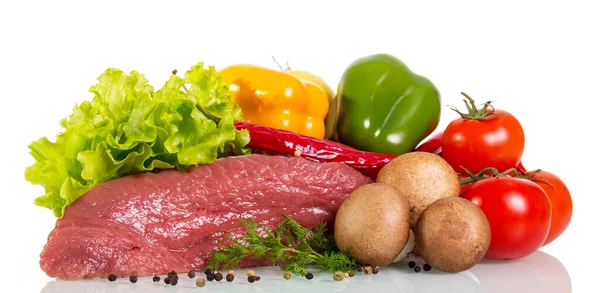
pixel 229 277
pixel 417 269
pixel 250 273
pixel 200 282
pixel 210 277
pixel 309 276
pixel 368 270
pixel 376 270
pixel 360 269
pixel 251 279
pixel 218 276
pixel 191 274
pixel 351 273
pixel 287 275
pixel 133 279
pixel 156 279
pixel 256 278
pixel 171 274
pixel 167 280
pixel 411 264
pixel 174 281
pixel 112 277
pixel 231 272
pixel 338 276
pixel 208 272
pixel 346 275
pixel 426 267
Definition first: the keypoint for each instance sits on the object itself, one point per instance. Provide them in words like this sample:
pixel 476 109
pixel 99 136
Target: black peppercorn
pixel 256 278
pixel 426 267
pixel 174 281
pixel 218 276
pixel 309 276
pixel 167 280
pixel 229 277
pixel 210 277
pixel 351 273
pixel 156 279
pixel 417 269
pixel 411 264
pixel 133 279
pixel 171 274
pixel 208 272
pixel 191 274
pixel 112 277
pixel 251 279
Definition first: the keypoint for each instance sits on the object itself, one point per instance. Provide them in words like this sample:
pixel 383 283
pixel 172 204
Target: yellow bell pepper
pixel 277 99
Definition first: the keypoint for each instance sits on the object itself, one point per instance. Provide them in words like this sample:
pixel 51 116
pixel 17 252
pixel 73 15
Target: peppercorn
pixel 171 274
pixel 368 270
pixel 338 276
pixel 167 280
pixel 156 279
pixel 417 269
pixel 174 281
pixel 133 279
pixel 287 275
pixel 208 272
pixel 210 277
pixel 309 276
pixel 200 282
pixel 426 267
pixel 251 273
pixel 351 273
pixel 218 276
pixel 112 277
pixel 411 264
pixel 229 277
pixel 361 269
pixel 375 270
pixel 257 278
pixel 251 279
pixel 191 274
pixel 231 272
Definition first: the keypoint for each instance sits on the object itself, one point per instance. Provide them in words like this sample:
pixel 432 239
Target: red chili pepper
pixel 282 142
pixel 432 144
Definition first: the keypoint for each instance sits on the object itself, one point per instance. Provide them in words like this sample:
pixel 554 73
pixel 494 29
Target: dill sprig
pixel 290 244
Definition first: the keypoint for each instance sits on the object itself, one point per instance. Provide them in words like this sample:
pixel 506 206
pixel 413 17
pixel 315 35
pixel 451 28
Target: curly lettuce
pixel 129 128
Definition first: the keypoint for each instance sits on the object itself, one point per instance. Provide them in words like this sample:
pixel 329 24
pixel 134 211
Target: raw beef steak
pixel 153 223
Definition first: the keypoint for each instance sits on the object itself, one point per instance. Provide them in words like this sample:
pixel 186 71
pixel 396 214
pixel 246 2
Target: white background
pixel 538 60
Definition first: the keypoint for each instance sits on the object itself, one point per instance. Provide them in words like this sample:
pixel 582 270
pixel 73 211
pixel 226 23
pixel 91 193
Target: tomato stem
pixel 487 112
pixel 515 172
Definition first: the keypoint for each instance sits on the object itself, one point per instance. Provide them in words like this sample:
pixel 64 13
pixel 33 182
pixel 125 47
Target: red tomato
pixel 519 213
pixel 560 199
pixel 476 144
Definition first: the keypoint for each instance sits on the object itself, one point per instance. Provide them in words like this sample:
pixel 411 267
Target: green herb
pixel 290 244
pixel 129 128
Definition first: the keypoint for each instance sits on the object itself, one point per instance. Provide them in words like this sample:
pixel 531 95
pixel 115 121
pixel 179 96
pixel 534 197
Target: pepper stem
pixel 487 112
pixel 287 64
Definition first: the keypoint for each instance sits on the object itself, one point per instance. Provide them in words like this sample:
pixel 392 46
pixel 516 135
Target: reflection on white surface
pixel 540 272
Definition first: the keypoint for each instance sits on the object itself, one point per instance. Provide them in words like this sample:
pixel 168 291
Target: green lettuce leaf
pixel 129 128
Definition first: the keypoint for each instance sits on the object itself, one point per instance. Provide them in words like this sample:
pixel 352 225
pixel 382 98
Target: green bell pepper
pixel 384 107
